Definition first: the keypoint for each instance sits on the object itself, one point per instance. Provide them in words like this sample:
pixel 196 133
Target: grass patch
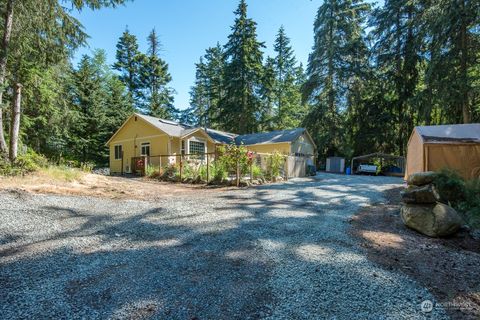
pixel 62 173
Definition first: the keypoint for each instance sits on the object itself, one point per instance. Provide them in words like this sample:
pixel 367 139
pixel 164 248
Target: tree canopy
pixel 374 73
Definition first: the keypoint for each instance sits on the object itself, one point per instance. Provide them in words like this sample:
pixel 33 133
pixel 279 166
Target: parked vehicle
pixel 367 169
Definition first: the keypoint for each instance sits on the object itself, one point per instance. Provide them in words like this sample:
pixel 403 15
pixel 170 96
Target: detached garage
pixel 457 147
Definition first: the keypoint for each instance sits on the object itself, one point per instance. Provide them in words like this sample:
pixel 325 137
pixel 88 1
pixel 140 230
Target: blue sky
pixel 187 27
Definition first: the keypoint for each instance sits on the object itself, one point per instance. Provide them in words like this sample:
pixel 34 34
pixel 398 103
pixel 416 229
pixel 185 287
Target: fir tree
pixel 268 93
pixel 129 64
pixel 38 38
pixel 199 97
pixel 99 108
pixel 207 93
pixel 398 45
pixel 453 37
pixel 329 70
pixel 158 96
pixel 289 109
pixel 241 104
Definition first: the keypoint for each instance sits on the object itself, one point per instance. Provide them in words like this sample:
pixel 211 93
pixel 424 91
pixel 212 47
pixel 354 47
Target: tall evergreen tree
pixel 207 93
pixel 329 70
pixel 241 104
pixel 155 78
pixel 289 108
pixel 398 50
pixel 129 65
pixel 266 113
pixel 452 29
pixel 43 33
pixel 199 96
pixel 99 107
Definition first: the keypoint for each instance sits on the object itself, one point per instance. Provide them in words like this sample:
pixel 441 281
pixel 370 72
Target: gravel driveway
pixel 278 251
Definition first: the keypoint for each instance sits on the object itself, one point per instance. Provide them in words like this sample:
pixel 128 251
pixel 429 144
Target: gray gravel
pixel 277 251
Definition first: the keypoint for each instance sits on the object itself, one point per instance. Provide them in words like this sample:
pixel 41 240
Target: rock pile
pixel 422 210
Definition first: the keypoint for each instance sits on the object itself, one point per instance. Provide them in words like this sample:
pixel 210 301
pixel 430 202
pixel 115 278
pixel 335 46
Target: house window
pixel 118 152
pixel 183 147
pixel 196 147
pixel 145 151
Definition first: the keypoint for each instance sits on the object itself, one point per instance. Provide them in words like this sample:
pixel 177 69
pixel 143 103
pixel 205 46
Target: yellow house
pixel 142 135
pixel 295 142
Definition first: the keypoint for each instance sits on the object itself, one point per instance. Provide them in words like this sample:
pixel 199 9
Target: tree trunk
pixel 399 85
pixel 15 125
pixel 465 106
pixel 7 27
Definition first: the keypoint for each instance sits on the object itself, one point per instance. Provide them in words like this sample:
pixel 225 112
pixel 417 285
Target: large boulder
pixel 436 220
pixel 447 220
pixel 423 194
pixel 421 178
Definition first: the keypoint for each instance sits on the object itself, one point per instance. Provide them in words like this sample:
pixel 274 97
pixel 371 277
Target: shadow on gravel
pixel 215 262
pixel 448 267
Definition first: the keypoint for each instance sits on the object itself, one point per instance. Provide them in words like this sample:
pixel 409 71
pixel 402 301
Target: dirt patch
pixel 448 267
pixel 100 186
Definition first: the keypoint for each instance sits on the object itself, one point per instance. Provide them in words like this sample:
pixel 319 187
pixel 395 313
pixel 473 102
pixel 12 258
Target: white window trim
pixel 145 144
pixel 114 153
pixel 184 149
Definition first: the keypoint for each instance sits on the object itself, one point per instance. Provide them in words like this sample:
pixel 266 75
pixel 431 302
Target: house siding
pixel 303 145
pixel 203 137
pixel 131 137
pixel 134 133
pixel 137 130
pixel 132 148
pixel 283 147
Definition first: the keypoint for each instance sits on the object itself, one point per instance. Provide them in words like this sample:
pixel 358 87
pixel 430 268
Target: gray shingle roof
pixel 221 136
pixel 175 129
pixel 171 128
pixel 270 137
pixel 451 132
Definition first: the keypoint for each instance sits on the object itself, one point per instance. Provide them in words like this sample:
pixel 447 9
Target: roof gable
pixel 128 121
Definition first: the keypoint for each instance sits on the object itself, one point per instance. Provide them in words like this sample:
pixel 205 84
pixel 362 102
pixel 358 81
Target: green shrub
pixel 275 162
pixel 471 205
pixel 6 168
pixel 202 172
pixel 450 186
pixel 232 156
pixel 257 171
pixel 462 195
pixel 215 173
pixel 152 171
pixel 187 171
pixel 25 163
pixel 170 171
pixel 87 166
pixel 219 173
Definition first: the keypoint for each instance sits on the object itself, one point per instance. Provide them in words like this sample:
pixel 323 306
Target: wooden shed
pixel 431 148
